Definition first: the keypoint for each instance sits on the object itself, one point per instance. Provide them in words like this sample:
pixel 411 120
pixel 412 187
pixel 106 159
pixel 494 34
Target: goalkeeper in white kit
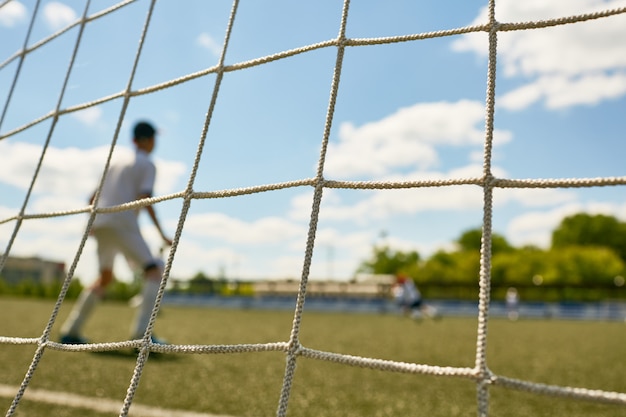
pixel 119 232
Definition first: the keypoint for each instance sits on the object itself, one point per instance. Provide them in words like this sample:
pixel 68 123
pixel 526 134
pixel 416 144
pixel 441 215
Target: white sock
pixel 142 317
pixel 80 313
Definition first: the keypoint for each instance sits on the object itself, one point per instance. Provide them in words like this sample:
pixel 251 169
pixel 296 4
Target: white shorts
pixel 128 242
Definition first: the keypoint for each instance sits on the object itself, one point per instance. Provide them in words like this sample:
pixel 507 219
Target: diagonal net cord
pixel 22 55
pixel 188 195
pixel 41 348
pixel 294 342
pixel 5 254
pixel 37 45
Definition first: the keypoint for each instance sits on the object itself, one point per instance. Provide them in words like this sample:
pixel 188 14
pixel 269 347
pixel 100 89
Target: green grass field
pixel 578 354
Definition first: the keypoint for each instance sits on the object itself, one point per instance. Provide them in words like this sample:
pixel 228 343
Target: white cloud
pixel 589 89
pixel 58 177
pixel 536 227
pixel 58 15
pixel 522 97
pixel 335 255
pixel 206 41
pixel 407 139
pixel 89 116
pixel 267 230
pixel 561 92
pixel 376 205
pixel 12 13
pixel 52 238
pixel 384 204
pixel 69 174
pixel 568 65
pixel 534 197
pixel 193 257
pixel 169 174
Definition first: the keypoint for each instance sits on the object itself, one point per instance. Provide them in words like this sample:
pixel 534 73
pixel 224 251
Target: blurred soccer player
pixel 119 232
pixel 409 298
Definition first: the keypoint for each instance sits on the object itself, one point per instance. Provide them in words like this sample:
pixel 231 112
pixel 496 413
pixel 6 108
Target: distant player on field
pixel 512 303
pixel 119 233
pixel 409 298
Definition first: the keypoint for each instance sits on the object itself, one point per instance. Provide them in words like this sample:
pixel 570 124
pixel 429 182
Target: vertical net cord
pixel 18 71
pixel 22 56
pixel 143 354
pixel 485 249
pixel 294 342
pixel 189 192
pixel 46 334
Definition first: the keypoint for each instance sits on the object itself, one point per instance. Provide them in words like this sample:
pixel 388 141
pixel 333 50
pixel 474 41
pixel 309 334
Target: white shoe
pixel 416 315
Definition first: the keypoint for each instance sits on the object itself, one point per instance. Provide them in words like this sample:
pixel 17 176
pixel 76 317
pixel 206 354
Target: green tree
pixel 591 230
pixel 387 261
pixel 200 283
pixel 569 270
pixel 569 266
pixel 460 267
pixel 472 239
pixel 586 265
pixel 122 291
pixel 518 267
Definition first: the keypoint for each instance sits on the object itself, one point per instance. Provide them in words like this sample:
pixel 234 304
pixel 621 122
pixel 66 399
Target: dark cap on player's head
pixel 143 130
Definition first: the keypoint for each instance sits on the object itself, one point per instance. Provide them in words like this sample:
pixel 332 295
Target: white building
pixel 34 269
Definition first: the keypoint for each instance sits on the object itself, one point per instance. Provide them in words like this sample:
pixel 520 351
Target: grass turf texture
pixel 580 354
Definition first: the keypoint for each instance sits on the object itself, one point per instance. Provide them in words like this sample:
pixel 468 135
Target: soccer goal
pixel 56 104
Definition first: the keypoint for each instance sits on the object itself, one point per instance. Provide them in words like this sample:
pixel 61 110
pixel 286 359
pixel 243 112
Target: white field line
pixel 101 405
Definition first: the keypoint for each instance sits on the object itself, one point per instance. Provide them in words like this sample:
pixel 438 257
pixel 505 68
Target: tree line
pixel 585 261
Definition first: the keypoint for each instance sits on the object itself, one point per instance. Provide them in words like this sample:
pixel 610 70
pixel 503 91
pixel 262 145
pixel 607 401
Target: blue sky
pixel 411 110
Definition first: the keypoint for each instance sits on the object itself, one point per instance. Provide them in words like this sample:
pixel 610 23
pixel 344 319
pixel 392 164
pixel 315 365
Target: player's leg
pixel 152 281
pixel 431 311
pixel 71 331
pixel 416 309
pixel 137 252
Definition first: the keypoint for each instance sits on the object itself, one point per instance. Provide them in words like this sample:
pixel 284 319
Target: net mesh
pixel 293 349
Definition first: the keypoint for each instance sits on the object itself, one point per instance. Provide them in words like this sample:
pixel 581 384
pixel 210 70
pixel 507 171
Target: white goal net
pixel 55 108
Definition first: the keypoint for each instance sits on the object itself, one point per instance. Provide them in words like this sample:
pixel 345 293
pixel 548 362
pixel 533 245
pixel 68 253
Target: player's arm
pixel 155 220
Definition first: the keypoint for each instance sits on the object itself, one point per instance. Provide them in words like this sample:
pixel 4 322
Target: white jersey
pixel 125 181
pixel 406 293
